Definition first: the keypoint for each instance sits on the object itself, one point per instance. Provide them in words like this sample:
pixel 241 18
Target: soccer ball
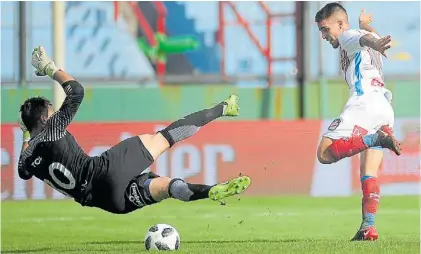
pixel 162 237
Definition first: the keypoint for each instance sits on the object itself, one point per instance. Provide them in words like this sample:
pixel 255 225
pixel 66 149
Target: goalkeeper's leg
pixel 163 187
pixel 187 126
pixel 149 188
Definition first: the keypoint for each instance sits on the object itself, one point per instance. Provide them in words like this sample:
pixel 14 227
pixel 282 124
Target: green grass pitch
pixel 243 225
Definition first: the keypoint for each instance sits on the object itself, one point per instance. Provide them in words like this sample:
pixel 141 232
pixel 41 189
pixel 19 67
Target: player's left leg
pixel 331 150
pixel 187 126
pixel 370 162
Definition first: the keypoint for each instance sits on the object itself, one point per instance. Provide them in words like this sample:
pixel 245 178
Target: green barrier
pixel 171 102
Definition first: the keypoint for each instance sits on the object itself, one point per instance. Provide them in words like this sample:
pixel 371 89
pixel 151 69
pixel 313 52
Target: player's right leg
pixel 163 187
pixel 187 126
pixel 149 188
pixel 370 161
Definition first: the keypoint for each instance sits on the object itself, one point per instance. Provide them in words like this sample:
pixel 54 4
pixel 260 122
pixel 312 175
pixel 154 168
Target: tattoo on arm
pixel 368 40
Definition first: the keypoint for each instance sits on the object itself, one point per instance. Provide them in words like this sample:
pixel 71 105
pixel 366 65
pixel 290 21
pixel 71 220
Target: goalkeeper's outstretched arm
pixel 57 123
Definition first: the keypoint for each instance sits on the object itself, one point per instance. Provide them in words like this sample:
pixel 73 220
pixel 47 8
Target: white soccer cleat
pixel 42 63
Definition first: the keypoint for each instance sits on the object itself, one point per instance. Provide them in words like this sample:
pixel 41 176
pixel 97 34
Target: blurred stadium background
pixel 144 64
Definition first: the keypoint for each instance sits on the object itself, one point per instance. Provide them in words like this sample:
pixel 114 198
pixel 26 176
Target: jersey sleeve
pixel 350 40
pixel 58 122
pixel 22 171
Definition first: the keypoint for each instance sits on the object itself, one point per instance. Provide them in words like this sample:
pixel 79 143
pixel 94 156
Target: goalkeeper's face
pixel 35 112
pixel 51 111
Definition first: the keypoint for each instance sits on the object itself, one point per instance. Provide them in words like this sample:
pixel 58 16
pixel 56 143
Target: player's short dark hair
pixel 328 10
pixel 32 110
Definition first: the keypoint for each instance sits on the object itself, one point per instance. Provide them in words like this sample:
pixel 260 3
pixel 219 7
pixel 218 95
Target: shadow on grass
pixel 208 241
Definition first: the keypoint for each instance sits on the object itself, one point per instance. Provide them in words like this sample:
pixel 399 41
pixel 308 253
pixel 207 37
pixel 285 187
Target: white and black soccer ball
pixel 162 237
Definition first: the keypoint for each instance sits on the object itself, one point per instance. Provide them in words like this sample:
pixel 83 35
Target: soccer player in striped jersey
pixel 115 181
pixel 367 119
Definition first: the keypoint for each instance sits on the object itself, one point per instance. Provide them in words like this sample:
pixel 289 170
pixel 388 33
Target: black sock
pixel 189 125
pixel 183 191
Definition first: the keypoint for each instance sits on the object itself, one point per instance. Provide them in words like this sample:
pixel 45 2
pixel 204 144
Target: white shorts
pixel 362 115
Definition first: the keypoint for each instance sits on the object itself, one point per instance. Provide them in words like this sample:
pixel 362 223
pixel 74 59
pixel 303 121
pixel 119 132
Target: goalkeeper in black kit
pixel 115 181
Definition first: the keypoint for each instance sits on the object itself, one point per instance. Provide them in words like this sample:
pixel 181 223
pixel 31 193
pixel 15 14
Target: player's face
pixel 50 111
pixel 330 30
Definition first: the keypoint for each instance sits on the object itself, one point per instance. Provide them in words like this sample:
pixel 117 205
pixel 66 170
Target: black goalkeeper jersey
pixel 54 156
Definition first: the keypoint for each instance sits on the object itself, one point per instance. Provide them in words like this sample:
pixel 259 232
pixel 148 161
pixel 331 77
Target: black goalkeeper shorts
pixel 112 190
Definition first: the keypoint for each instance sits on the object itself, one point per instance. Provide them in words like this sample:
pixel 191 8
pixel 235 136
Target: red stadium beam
pixel 268 41
pixel 221 36
pixel 162 15
pixel 246 26
pixel 265 51
pixel 116 10
pixel 150 34
pixel 161 64
pixel 143 22
pixel 268 22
